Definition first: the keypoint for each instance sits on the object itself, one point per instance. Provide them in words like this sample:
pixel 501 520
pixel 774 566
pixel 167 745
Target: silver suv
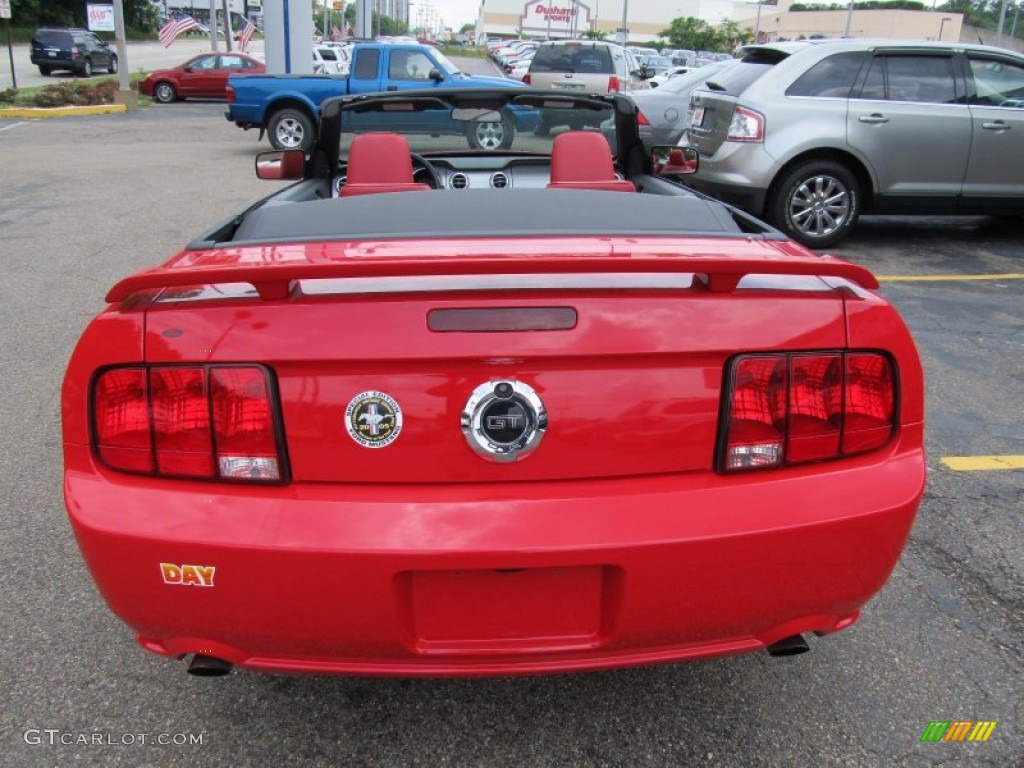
pixel 811 135
pixel 585 65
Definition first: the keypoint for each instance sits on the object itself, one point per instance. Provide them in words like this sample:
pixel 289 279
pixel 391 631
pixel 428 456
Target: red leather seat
pixel 379 162
pixel 583 160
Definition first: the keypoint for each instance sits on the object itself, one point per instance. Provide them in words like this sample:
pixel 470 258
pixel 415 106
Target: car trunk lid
pixel 628 366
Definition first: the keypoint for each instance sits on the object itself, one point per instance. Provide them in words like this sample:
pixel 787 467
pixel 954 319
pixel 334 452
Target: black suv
pixel 78 50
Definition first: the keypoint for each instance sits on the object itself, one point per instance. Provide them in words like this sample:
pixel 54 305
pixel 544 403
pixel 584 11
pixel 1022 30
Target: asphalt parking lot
pixel 87 200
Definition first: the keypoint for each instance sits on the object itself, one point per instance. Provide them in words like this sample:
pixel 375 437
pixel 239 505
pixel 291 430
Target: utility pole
pixel 849 18
pixel 124 91
pixel 625 20
pixel 213 25
pixel 227 26
pixel 5 14
pixel 1002 20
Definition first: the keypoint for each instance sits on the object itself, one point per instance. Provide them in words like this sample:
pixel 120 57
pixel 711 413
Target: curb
pixel 97 109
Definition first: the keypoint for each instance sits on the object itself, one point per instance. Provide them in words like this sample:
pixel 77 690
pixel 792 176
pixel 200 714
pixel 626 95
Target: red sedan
pixel 204 76
pixel 539 409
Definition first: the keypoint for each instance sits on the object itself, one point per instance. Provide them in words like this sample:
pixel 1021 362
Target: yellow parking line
pixel 980 463
pixel 947 278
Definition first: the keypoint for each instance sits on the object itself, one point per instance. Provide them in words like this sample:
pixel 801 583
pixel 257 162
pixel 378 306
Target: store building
pixel 572 18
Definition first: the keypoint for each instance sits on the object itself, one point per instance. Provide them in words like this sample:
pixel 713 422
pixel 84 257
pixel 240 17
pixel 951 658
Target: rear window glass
pixel 367 64
pixel 581 59
pixel 53 37
pixel 755 63
pixel 832 77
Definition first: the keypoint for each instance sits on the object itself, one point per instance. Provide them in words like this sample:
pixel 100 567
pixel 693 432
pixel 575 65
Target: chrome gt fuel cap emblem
pixel 504 420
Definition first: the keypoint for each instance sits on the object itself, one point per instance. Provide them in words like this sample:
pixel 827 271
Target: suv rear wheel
pixel 816 203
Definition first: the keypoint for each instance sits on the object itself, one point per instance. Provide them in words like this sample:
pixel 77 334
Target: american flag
pixel 174 27
pixel 245 34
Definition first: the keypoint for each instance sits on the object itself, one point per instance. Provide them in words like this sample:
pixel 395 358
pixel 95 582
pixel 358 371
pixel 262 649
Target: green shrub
pixel 72 93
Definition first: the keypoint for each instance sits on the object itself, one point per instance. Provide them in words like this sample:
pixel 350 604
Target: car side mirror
pixel 435 75
pixel 286 164
pixel 674 161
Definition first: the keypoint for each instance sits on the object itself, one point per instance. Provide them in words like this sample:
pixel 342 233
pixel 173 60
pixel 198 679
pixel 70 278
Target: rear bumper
pixel 737 173
pixel 487 580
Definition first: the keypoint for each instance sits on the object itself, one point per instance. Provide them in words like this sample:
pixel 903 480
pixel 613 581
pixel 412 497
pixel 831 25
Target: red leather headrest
pixel 581 156
pixel 379 158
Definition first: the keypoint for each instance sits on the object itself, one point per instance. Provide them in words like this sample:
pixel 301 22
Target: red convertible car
pixel 436 411
pixel 204 76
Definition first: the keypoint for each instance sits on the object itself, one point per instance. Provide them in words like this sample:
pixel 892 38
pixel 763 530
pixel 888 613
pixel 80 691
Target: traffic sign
pixel 5 9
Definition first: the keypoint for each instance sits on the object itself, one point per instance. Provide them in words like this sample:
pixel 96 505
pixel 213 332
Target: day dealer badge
pixel 373 419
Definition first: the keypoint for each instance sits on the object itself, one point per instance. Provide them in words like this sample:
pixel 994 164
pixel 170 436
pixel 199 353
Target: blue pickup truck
pixel 286 106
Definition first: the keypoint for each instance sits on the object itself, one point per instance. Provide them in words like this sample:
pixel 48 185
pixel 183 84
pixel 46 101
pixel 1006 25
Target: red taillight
pixel 230 94
pixel 244 422
pixel 800 407
pixel 121 417
pixel 526 78
pixel 613 84
pixel 188 421
pixel 641 118
pixel 870 407
pixel 757 409
pixel 74 52
pixel 181 421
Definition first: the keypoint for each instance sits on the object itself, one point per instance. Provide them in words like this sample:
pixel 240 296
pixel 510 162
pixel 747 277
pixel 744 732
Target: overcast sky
pixel 454 12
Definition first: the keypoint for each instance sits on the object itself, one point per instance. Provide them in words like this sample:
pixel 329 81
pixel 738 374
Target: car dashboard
pixel 474 172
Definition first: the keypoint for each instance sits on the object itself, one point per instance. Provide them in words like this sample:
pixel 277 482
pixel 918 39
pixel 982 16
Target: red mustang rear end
pixel 405 453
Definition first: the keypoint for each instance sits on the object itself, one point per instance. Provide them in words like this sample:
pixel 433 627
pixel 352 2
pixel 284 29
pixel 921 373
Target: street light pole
pixel 849 18
pixel 1002 20
pixel 625 20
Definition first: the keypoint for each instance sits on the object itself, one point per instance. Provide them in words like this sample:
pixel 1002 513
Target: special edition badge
pixel 373 419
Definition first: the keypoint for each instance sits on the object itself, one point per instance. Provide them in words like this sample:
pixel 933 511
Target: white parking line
pixel 12 125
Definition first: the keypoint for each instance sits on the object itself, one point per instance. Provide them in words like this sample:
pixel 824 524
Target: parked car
pixel 681 57
pixel 204 76
pixel 582 65
pixel 435 412
pixel 663 110
pixel 659 80
pixel 811 135
pixel 70 48
pixel 579 66
pixel 656 65
pixel 333 59
pixel 287 108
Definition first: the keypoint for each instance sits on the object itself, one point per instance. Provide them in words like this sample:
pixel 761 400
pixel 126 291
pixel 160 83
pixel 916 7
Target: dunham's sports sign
pixel 562 18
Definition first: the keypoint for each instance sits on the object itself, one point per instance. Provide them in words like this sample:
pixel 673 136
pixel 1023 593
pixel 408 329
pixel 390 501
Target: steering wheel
pixel 421 163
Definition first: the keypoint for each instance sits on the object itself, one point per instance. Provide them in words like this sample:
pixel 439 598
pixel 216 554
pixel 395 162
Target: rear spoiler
pixel 274 282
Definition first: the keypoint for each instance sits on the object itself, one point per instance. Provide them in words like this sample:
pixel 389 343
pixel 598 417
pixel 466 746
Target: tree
pixel 138 14
pixel 694 34
pixel 466 28
pixel 733 34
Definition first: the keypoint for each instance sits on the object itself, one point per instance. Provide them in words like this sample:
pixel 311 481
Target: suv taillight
pixel 74 52
pixel 746 125
pixel 230 94
pixel 526 78
pixel 793 408
pixel 216 422
pixel 614 86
